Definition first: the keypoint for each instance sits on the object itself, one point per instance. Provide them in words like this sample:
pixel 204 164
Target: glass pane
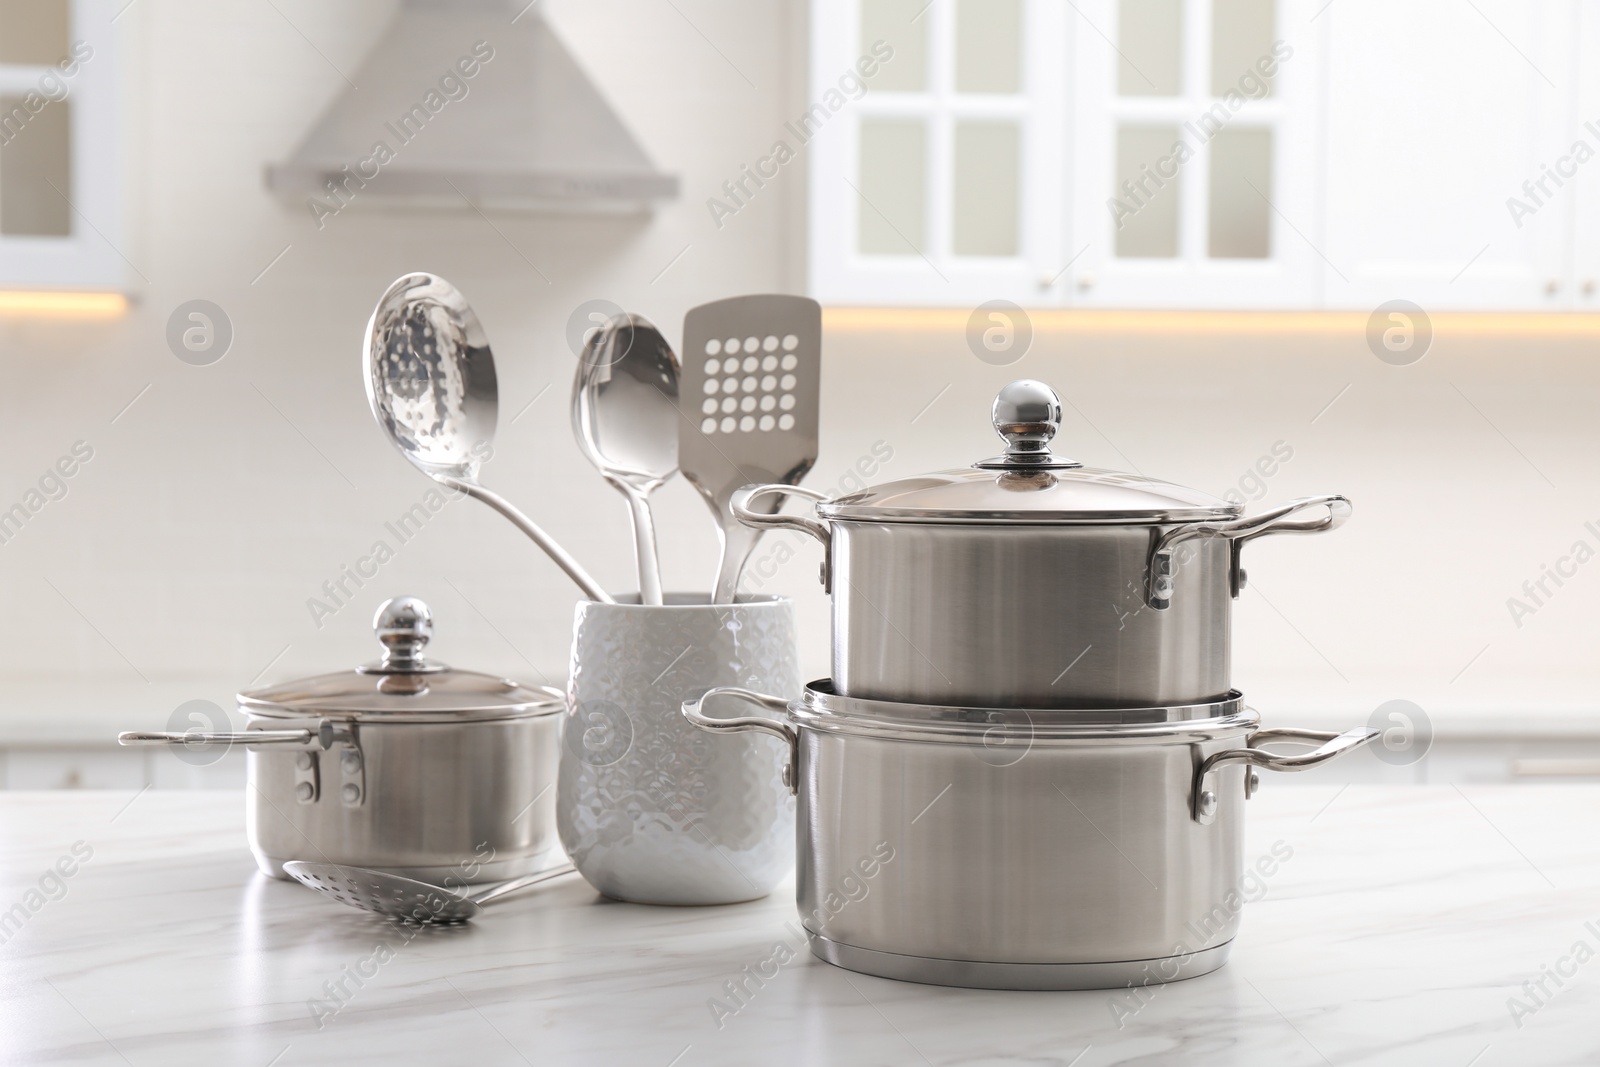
pixel 893 163
pixel 1241 47
pixel 1241 184
pixel 989 46
pixel 891 21
pixel 986 188
pixel 1146 204
pixel 1150 40
pixel 33 31
pixel 35 151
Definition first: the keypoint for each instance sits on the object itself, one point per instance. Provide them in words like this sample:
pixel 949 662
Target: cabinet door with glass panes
pixel 60 204
pixel 1196 154
pixel 1102 152
pixel 936 142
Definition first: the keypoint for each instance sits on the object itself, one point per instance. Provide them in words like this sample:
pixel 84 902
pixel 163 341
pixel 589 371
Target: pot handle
pixel 739 504
pixel 1205 799
pixel 782 730
pixel 1163 567
pixel 248 737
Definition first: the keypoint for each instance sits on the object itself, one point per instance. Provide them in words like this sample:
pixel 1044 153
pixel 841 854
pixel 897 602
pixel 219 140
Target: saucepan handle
pixel 740 503
pixel 1163 564
pixel 782 730
pixel 248 737
pixel 1329 745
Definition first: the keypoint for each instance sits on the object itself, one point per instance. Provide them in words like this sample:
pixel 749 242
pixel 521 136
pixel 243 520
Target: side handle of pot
pixel 248 737
pixel 328 733
pixel 781 730
pixel 1163 562
pixel 1205 798
pixel 758 519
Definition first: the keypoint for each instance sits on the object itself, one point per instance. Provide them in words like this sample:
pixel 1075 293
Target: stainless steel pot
pixel 1031 581
pixel 403 766
pixel 1006 849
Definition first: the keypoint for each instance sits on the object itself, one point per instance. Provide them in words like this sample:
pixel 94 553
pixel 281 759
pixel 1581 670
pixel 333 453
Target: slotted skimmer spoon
pixel 406 899
pixel 625 417
pixel 748 396
pixel 432 386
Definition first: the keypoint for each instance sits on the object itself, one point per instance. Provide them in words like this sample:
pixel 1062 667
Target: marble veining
pixel 1401 931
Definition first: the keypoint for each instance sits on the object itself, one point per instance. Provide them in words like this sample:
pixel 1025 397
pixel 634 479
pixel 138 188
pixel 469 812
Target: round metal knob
pixel 1026 415
pixel 405 626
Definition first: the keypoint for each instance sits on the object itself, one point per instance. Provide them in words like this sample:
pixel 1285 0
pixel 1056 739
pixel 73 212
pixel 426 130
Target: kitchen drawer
pixel 74 768
pixel 100 767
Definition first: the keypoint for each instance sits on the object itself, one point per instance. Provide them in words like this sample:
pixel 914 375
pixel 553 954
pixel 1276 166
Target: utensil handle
pixel 1162 568
pixel 740 503
pixel 248 737
pixel 782 730
pixel 647 563
pixel 498 891
pixel 574 570
pixel 737 544
pixel 1330 745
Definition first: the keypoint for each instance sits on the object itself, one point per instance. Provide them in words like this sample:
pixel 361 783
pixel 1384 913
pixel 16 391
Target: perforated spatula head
pixel 749 398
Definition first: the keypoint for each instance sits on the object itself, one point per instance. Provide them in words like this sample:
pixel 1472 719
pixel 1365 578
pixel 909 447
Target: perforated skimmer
pixel 406 899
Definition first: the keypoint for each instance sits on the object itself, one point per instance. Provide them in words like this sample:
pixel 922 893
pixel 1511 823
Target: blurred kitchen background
pixel 1371 269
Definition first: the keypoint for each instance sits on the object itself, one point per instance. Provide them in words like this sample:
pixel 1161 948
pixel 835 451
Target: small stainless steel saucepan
pixel 404 766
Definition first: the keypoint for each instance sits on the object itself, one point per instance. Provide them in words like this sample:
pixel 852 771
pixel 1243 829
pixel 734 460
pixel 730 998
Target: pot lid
pixel 403 685
pixel 1029 483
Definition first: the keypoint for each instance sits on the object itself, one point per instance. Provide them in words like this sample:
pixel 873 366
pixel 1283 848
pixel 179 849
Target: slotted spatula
pixel 748 396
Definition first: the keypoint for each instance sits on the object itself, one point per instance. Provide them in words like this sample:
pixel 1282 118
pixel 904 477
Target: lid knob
pixel 405 626
pixel 1026 415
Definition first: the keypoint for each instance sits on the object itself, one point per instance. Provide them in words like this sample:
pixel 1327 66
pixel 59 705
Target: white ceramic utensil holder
pixel 650 809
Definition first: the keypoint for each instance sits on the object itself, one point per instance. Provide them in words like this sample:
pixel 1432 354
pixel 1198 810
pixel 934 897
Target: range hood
pixel 470 101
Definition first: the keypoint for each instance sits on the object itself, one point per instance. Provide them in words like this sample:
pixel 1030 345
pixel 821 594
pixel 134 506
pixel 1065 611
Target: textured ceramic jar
pixel 650 809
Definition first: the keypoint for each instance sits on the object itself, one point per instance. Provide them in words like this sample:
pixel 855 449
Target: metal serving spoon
pixel 625 417
pixel 432 387
pixel 406 899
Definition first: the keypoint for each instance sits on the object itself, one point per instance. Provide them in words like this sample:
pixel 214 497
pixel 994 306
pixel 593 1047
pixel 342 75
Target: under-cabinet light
pixel 1095 320
pixel 74 305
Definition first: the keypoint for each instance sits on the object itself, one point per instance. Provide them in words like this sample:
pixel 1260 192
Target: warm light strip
pixel 1072 320
pixel 62 305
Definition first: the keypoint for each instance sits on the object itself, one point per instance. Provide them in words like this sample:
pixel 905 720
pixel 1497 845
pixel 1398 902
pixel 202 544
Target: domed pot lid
pixel 1029 484
pixel 403 685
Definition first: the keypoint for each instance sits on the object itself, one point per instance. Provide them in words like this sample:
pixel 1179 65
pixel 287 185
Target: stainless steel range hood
pixel 470 100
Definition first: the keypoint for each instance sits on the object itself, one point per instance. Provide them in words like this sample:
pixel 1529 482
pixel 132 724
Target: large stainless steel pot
pixel 1029 580
pixel 1005 849
pixel 403 765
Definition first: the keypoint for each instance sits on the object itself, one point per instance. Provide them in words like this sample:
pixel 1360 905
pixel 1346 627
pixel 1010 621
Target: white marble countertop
pixel 1400 931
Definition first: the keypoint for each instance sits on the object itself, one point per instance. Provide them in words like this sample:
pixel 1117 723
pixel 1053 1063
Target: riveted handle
pixel 1163 562
pixel 788 734
pixel 740 505
pixel 1330 745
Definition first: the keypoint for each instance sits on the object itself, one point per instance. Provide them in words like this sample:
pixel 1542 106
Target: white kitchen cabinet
pixel 1430 151
pixel 1438 115
pixel 61 182
pixel 74 768
pixel 1581 290
pixel 102 767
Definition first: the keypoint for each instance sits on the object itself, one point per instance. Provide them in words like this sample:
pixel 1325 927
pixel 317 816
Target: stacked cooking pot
pixel 1030 767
